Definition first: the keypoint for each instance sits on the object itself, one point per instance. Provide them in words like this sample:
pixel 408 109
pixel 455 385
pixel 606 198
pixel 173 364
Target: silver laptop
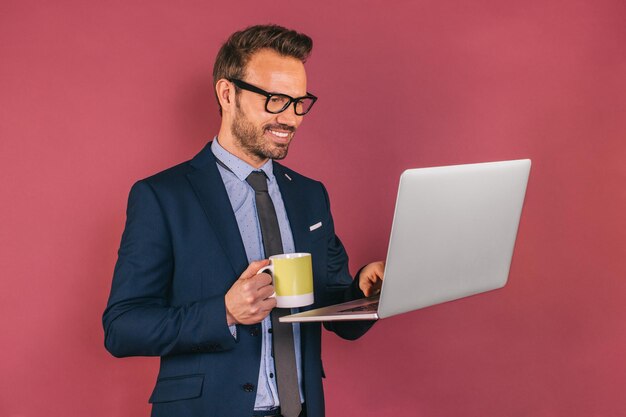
pixel 452 236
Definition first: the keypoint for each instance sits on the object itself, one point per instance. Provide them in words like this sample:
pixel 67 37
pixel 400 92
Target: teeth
pixel 279 134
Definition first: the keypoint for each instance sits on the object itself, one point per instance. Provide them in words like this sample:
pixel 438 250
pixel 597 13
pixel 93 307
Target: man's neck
pixel 228 142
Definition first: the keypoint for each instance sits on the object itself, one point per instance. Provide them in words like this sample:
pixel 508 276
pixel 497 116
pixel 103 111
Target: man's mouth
pixel 278 133
pixel 281 133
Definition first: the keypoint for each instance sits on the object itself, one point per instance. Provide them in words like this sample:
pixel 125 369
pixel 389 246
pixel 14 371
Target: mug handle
pixel 269 268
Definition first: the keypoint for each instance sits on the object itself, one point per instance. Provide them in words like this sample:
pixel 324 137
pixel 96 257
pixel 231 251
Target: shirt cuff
pixel 233 330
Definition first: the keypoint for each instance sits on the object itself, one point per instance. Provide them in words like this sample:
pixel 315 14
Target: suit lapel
pixel 291 193
pixel 293 205
pixel 209 188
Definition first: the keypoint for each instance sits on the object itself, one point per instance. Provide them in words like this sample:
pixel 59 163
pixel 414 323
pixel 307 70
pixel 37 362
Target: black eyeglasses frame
pixel 268 95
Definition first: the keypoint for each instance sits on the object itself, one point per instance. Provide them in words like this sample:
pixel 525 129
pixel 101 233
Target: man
pixel 185 286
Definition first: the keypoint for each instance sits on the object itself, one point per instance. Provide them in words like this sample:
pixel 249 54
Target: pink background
pixel 95 95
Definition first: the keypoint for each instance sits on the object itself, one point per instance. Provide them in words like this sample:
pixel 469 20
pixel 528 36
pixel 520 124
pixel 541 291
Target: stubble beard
pixel 252 140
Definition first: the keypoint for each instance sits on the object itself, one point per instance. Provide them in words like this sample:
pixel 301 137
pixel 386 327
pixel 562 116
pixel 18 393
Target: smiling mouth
pixel 281 133
pixel 278 134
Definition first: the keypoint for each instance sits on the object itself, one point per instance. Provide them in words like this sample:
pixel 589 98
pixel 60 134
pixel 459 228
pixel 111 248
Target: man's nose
pixel 289 117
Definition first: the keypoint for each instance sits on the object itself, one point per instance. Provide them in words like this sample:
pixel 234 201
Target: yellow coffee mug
pixel 292 274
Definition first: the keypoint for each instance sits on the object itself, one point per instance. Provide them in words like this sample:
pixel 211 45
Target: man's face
pixel 259 134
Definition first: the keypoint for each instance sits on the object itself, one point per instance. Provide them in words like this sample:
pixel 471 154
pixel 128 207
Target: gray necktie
pixel 284 351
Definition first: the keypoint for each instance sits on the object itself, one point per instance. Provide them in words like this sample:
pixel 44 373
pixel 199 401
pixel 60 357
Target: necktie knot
pixel 258 181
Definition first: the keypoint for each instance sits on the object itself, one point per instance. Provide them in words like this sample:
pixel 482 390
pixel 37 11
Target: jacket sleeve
pixel 139 320
pixel 341 287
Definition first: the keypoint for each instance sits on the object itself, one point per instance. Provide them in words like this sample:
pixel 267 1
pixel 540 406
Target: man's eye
pixel 278 99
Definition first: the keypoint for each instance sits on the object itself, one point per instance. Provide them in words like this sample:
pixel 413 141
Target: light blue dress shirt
pixel 242 200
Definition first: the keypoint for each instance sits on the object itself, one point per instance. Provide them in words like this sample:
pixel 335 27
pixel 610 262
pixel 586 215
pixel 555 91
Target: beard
pixel 253 141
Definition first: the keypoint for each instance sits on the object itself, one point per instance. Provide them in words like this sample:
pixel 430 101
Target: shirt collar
pixel 237 166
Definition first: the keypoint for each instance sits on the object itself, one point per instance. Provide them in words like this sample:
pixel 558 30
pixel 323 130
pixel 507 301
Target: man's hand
pixel 371 278
pixel 247 301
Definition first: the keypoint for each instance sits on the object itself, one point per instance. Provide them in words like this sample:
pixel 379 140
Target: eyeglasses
pixel 276 102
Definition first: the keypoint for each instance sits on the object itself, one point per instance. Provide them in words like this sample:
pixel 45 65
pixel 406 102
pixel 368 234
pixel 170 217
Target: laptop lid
pixel 452 236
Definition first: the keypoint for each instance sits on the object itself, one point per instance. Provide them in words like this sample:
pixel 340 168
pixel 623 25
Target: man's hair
pixel 235 53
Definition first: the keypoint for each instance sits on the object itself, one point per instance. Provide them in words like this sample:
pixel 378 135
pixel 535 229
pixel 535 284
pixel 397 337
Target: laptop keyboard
pixel 367 307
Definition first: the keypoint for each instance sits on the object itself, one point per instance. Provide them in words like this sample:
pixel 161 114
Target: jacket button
pixel 248 387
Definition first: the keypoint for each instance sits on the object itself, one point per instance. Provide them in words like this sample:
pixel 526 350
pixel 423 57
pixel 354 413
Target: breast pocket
pixel 316 231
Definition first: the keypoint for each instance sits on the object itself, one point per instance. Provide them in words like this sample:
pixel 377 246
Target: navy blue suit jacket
pixel 181 251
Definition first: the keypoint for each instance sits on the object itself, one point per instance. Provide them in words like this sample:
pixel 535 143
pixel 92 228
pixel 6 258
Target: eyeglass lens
pixel 278 103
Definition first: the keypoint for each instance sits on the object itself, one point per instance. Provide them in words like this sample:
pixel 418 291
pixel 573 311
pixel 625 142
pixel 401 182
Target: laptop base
pixel 361 309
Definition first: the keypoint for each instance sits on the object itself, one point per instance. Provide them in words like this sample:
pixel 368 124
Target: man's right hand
pixel 248 300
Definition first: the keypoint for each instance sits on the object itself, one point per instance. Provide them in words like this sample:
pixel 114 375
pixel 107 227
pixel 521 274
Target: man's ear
pixel 225 92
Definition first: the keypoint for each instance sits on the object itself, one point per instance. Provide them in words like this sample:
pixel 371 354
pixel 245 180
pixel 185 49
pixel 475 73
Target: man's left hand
pixel 371 278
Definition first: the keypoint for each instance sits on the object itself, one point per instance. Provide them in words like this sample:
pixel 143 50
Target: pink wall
pixel 95 95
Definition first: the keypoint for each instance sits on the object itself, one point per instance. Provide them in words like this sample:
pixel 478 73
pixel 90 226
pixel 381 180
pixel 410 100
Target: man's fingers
pixel 253 268
pixel 268 304
pixel 377 285
pixel 256 282
pixel 266 291
pixel 263 279
pixel 371 284
pixel 379 270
